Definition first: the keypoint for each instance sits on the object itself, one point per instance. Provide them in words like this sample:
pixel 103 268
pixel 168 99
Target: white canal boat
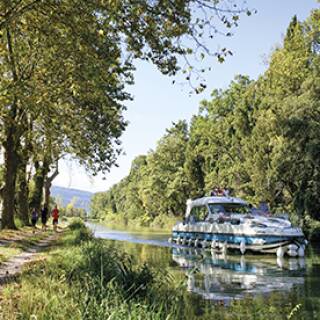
pixel 223 223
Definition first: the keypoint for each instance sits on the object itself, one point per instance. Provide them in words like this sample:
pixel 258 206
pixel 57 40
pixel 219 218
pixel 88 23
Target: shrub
pixel 76 224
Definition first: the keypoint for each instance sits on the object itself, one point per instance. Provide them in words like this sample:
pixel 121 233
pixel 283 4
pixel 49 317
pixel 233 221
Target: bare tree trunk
pixel 22 194
pixel 38 179
pixel 10 145
pixel 47 186
pixel 10 173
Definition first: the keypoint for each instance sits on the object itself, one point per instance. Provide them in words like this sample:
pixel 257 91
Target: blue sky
pixel 157 103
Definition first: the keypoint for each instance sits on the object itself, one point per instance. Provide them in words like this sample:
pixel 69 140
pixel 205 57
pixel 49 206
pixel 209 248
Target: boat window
pixel 216 208
pixel 257 224
pixel 228 208
pixel 199 213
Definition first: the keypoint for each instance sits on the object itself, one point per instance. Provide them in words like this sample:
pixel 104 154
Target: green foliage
pixel 155 186
pixel 76 224
pixel 80 232
pixel 72 211
pixel 260 138
pixel 64 67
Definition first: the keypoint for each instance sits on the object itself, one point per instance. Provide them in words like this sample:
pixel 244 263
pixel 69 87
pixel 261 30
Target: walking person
pixel 44 217
pixel 34 219
pixel 55 217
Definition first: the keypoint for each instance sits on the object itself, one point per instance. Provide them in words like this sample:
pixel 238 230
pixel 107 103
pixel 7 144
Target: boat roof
pixel 217 199
pixel 208 200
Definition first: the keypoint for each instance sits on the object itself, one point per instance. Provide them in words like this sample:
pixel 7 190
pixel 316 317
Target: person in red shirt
pixel 55 217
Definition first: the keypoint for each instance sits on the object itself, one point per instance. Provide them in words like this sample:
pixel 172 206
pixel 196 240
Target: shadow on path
pixel 10 269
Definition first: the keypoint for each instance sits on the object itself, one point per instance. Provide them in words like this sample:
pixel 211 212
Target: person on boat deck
pixel 214 192
pixel 226 192
pixel 263 209
pixel 220 192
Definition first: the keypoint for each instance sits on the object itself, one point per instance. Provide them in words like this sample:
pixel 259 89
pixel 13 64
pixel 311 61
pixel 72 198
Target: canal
pixel 222 279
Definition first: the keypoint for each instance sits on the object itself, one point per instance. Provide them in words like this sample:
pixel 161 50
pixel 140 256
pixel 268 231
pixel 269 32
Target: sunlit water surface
pixel 228 277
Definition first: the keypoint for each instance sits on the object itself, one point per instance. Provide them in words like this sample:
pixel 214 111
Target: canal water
pixel 224 278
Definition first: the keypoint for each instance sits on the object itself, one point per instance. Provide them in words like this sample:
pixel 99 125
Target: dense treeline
pixel 261 138
pixel 64 66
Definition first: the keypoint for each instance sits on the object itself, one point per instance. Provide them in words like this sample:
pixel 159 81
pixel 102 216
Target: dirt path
pixel 13 267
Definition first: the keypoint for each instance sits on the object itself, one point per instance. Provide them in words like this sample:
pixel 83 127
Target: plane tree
pixel 64 66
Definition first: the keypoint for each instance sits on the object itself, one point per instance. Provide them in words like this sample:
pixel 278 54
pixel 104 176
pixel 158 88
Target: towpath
pixel 11 268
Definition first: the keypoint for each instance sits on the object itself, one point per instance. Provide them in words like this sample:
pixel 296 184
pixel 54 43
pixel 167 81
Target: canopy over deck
pixel 207 200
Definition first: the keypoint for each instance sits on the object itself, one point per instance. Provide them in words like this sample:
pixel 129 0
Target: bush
pixel 82 235
pixel 312 228
pixel 76 224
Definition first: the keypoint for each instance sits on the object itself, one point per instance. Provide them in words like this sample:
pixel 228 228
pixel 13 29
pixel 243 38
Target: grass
pixel 85 278
pixel 13 242
pixel 7 252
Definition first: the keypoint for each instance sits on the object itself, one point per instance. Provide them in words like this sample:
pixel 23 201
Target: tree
pixel 64 66
pixel 165 187
pixel 261 138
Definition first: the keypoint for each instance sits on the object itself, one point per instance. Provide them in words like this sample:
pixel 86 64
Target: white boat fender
pixel 213 244
pixel 213 254
pixel 280 252
pixel 301 251
pixel 292 247
pixel 196 243
pixel 306 242
pixel 170 240
pixel 184 241
pixel 224 247
pixel 242 247
pixel 292 253
pixel 204 243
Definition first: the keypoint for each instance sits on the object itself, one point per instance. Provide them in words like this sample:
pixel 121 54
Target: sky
pixel 157 102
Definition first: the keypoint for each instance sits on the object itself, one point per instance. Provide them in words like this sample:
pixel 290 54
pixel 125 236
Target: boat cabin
pixel 215 208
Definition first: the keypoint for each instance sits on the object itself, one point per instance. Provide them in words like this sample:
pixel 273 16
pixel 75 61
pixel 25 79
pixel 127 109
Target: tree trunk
pixel 47 186
pixel 10 173
pixel 10 144
pixel 39 179
pixel 22 194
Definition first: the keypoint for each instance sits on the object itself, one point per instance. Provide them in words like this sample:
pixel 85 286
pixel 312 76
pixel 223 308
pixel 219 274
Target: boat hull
pixel 266 243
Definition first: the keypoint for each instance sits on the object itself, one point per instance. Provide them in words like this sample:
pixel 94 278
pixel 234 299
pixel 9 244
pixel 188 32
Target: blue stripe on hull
pixel 236 239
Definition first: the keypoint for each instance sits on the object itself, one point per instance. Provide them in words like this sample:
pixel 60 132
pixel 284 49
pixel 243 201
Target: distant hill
pixel 66 195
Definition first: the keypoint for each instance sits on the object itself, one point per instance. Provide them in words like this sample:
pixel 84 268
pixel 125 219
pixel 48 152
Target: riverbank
pixel 92 279
pixel 160 224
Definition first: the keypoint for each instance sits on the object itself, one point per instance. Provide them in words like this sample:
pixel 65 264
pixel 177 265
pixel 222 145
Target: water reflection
pixel 139 237
pixel 225 278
